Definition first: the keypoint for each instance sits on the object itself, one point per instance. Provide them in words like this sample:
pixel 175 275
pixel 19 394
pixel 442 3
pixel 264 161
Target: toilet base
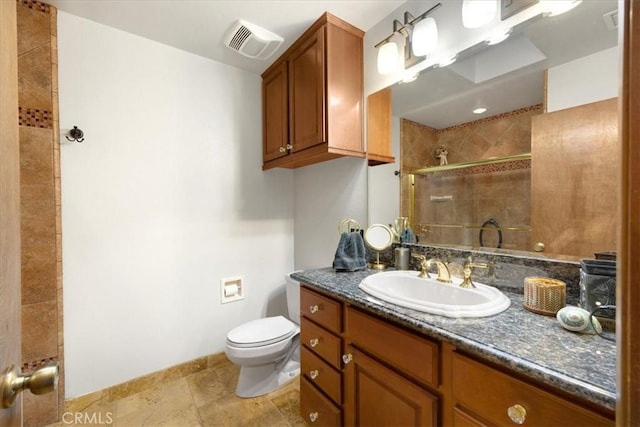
pixel 258 380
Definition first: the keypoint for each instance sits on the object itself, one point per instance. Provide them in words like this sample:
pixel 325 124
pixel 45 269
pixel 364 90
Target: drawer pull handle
pixel 346 358
pixel 314 342
pixel 314 309
pixel 313 416
pixel 314 374
pixel 517 413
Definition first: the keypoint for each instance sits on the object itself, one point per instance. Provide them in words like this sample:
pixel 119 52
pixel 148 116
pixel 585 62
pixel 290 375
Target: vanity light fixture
pixel 388 58
pixel 424 39
pixel 477 13
pixel 558 7
pixel 427 36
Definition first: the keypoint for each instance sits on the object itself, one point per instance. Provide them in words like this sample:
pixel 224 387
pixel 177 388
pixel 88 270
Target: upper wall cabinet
pixel 312 97
pixel 379 147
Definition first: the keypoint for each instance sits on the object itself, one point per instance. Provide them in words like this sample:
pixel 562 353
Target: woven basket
pixel 543 295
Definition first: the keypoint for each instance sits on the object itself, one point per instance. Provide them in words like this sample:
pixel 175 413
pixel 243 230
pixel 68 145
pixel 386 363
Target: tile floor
pixel 205 398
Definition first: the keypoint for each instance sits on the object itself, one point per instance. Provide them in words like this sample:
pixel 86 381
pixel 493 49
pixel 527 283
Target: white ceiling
pixel 440 97
pixel 199 26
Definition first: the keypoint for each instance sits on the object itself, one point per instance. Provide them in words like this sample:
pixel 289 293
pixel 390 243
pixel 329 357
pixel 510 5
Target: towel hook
pixel 76 135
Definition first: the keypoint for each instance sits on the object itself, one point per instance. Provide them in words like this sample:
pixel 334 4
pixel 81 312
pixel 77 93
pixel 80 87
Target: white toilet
pixel 268 349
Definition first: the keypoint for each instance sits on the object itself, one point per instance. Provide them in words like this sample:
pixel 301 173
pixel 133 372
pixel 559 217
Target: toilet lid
pixel 261 332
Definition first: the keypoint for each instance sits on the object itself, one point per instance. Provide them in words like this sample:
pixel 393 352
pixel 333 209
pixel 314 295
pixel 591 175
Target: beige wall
pixel 40 202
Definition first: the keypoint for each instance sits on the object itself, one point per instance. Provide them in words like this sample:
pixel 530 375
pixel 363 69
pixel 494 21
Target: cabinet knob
pixel 346 358
pixel 289 147
pixel 314 342
pixel 314 374
pixel 282 149
pixel 314 309
pixel 517 413
pixel 313 416
pixel 538 247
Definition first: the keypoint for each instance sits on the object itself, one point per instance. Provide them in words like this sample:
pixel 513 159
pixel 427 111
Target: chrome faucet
pixel 425 264
pixel 467 270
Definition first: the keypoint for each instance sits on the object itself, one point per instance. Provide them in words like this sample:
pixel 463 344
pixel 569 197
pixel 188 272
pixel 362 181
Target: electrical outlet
pixel 231 289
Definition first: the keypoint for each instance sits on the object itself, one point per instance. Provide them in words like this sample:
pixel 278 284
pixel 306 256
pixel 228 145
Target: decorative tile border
pixel 31 366
pixel 478 170
pixel 35 118
pixel 35 5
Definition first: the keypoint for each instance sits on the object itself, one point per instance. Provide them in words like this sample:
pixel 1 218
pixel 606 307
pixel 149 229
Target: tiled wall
pixel 40 202
pixel 499 191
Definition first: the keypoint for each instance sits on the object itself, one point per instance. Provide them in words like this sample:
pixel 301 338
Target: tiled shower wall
pixel 42 338
pixel 500 191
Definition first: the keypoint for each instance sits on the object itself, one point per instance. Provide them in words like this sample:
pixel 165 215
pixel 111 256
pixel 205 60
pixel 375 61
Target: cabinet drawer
pixel 321 342
pixel 322 310
pixel 316 409
pixel 490 393
pixel 321 374
pixel 410 353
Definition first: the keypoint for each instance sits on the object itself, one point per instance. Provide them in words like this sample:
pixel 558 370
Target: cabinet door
pixel 378 396
pixel 275 121
pixel 379 149
pixel 307 94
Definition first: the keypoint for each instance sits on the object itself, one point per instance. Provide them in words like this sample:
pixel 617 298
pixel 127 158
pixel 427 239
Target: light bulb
pixel 476 13
pixel 388 58
pixel 425 37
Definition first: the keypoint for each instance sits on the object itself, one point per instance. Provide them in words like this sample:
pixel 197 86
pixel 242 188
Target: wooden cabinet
pixel 385 368
pixel 484 393
pixel 379 396
pixel 361 370
pixel 312 97
pixel 379 141
pixel 321 363
pixel 275 99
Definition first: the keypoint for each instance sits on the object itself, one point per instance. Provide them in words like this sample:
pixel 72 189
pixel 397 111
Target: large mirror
pixel 537 170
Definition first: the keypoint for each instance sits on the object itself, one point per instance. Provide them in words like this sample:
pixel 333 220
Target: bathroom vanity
pixel 368 362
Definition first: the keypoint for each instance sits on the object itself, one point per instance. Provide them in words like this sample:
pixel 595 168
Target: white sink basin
pixel 406 289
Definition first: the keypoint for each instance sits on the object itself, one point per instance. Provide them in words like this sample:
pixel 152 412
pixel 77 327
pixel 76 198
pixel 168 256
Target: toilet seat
pixel 261 332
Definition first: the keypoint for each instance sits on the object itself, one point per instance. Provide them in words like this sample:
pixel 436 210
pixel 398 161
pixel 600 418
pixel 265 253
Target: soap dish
pixel 543 295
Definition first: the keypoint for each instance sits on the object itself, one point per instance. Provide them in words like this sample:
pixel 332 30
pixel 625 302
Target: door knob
pixel 42 380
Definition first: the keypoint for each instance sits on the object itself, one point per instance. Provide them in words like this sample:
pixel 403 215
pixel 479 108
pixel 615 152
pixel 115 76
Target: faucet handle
pixel 468 268
pixel 424 265
pixel 470 264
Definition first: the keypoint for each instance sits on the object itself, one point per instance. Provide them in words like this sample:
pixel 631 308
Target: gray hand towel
pixel 350 254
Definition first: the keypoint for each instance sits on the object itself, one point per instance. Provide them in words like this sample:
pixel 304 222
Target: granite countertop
pixel 528 343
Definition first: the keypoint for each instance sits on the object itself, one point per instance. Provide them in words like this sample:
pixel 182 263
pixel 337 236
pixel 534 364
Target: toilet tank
pixel 293 298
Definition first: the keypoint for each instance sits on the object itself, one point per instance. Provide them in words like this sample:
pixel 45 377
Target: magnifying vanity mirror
pixel 541 161
pixel 378 237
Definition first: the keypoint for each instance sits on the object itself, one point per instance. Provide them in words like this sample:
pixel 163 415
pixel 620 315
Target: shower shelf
pixel 466 165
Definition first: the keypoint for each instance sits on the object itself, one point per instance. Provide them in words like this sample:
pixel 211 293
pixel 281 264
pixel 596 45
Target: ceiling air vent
pixel 252 41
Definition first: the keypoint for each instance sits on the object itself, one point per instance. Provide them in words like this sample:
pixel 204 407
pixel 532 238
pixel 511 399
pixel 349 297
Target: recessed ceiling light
pixel 479 110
